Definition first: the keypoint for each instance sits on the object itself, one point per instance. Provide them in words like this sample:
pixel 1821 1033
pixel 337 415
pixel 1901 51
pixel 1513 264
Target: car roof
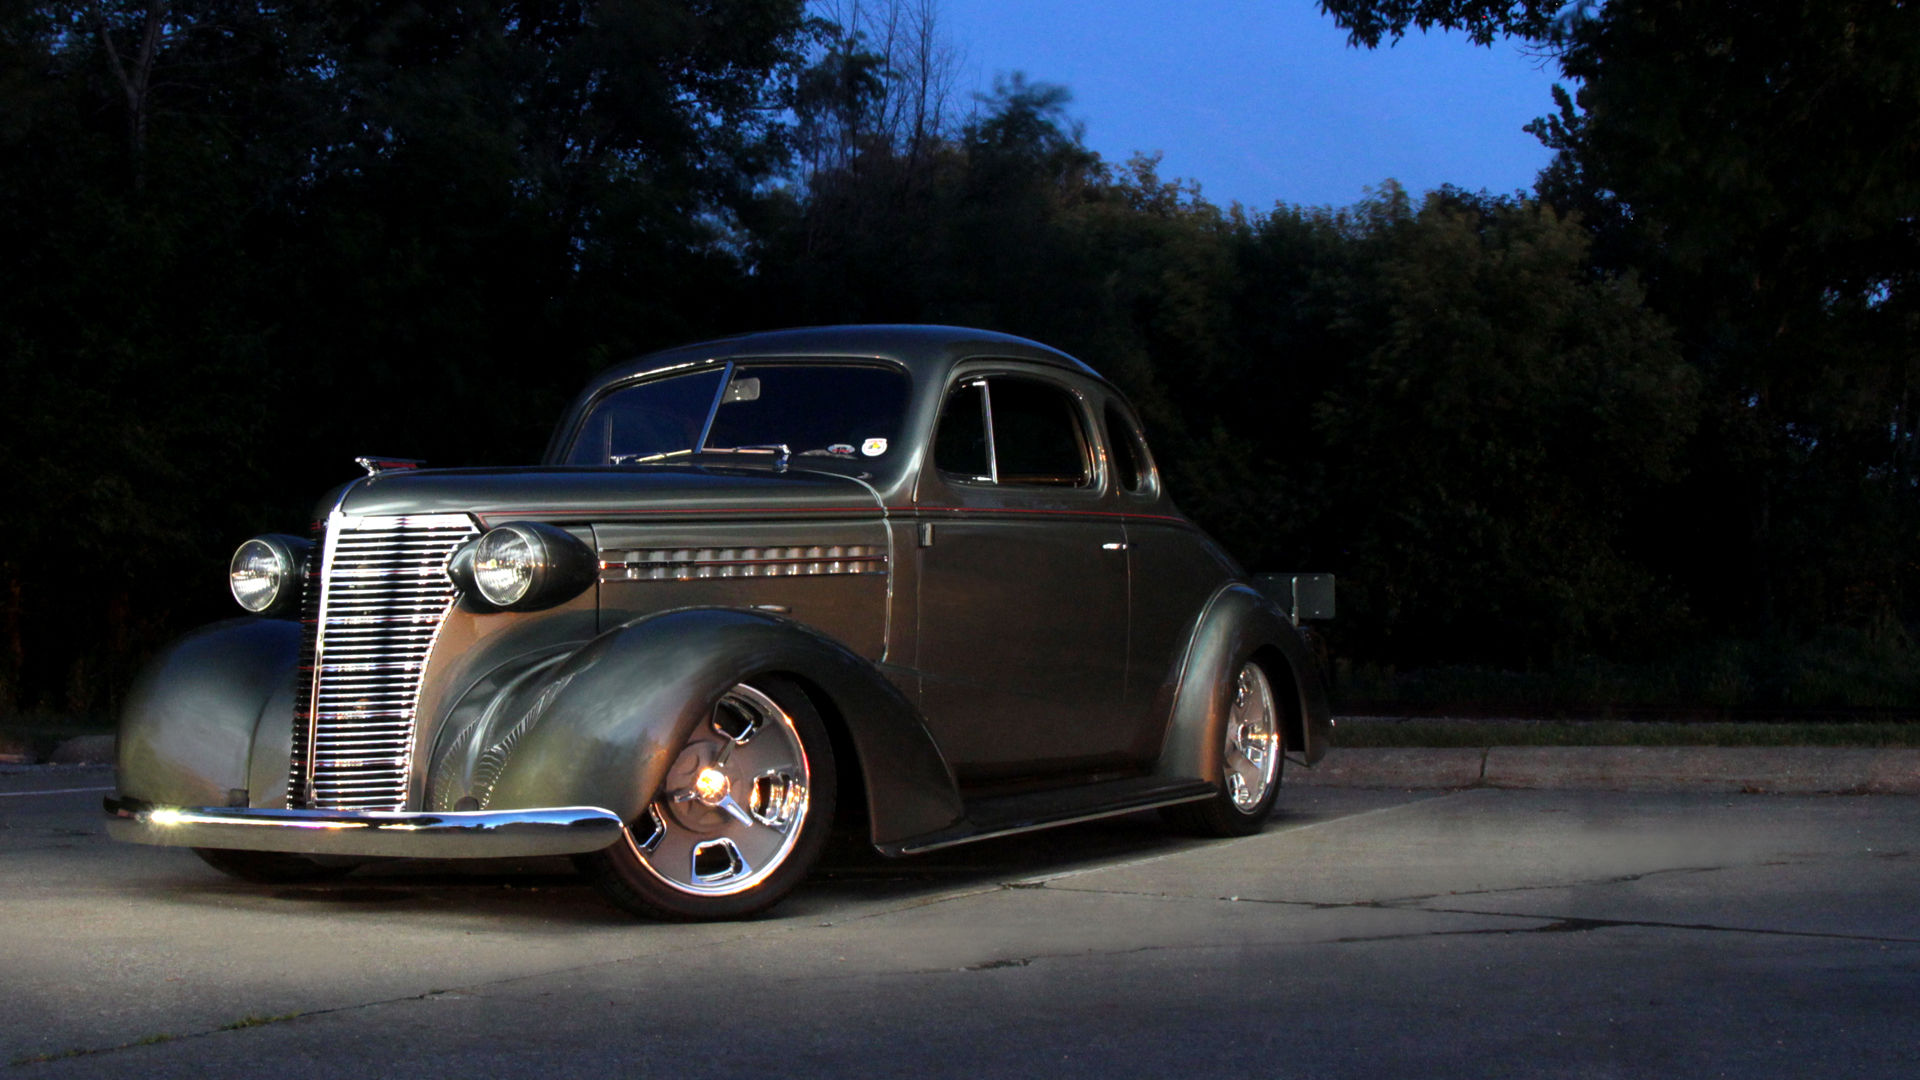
pixel 926 351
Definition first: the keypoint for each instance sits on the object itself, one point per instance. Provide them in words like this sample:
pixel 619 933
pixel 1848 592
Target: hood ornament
pixel 377 465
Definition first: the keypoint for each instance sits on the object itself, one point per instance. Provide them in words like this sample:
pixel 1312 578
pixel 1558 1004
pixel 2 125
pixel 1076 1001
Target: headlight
pixel 503 566
pixel 525 566
pixel 265 573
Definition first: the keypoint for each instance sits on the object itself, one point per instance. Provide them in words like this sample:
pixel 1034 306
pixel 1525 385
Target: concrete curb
pixel 1753 769
pixel 84 750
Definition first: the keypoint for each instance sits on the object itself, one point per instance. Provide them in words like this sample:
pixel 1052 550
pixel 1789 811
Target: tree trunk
pixel 136 82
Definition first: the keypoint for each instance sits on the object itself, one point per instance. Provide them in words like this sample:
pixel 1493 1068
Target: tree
pixel 247 242
pixel 1508 412
pixel 882 78
pixel 1369 22
pixel 1758 167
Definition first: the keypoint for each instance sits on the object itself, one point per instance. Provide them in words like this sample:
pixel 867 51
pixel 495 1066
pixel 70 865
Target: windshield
pixel 826 412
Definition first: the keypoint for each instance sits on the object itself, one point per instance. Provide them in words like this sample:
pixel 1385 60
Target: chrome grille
pixel 367 628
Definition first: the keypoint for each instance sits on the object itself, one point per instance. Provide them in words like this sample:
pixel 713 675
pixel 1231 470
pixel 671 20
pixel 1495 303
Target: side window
pixel 1009 430
pixel 1124 444
pixel 1036 434
pixel 960 444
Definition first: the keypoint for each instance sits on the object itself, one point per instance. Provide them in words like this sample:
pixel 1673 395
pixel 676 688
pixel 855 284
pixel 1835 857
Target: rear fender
pixel 1238 624
pixel 601 726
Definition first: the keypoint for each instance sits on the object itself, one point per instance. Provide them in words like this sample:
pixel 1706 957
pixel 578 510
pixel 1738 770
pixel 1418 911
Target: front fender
pixel 1238 624
pixel 188 728
pixel 601 726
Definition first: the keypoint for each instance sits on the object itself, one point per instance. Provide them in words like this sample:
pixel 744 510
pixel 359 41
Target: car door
pixel 1022 634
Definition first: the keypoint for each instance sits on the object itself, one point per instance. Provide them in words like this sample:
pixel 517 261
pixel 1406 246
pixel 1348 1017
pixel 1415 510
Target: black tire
pixel 789 783
pixel 1255 736
pixel 272 867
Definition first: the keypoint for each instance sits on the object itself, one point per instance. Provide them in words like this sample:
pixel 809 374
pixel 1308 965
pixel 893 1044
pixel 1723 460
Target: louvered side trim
pixel 699 564
pixel 372 610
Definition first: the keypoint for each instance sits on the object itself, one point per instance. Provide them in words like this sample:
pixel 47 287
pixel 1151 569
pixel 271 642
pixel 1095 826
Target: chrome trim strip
pixel 713 410
pixel 300 785
pixel 986 404
pixel 670 564
pixel 485 834
pixel 702 564
pixel 911 848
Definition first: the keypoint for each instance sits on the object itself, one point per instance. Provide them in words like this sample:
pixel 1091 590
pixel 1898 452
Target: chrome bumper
pixel 480 834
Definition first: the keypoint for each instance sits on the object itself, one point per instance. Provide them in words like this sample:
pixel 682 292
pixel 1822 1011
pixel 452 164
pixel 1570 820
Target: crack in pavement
pixel 1388 902
pixel 1613 879
pixel 1561 924
pixel 1554 923
pixel 479 989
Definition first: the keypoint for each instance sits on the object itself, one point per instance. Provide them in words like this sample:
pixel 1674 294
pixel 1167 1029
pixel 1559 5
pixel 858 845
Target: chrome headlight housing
pixel 523 566
pixel 265 573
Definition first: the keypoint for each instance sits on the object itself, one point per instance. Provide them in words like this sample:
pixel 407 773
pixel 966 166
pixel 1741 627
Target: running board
pixel 1007 815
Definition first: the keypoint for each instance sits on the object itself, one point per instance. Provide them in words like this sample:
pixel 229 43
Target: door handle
pixel 1114 545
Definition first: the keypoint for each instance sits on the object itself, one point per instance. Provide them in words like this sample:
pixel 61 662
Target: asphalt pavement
pixel 1367 932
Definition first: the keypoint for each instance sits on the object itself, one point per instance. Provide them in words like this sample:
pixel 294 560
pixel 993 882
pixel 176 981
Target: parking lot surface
pixel 1477 933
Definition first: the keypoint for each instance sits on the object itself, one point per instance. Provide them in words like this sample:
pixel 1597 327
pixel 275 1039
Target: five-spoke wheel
pixel 740 817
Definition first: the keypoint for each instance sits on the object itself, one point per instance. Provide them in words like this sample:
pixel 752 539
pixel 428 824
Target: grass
pixel 86 1051
pixel 1381 732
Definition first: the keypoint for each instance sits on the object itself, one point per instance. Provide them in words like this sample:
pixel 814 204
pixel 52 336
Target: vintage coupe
pixel 923 579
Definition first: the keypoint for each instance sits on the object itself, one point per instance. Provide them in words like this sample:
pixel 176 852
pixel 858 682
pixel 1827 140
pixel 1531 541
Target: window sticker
pixel 843 449
pixel 874 447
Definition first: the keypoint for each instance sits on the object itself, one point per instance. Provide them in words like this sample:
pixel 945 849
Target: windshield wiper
pixel 639 459
pixel 781 451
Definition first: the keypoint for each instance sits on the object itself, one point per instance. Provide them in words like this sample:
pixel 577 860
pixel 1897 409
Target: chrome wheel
pixel 1252 752
pixel 734 803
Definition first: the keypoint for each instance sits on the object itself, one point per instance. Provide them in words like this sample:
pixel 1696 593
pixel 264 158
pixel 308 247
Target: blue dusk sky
pixel 1263 101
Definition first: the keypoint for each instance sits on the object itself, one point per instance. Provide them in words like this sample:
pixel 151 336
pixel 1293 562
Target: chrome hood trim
pixel 606 493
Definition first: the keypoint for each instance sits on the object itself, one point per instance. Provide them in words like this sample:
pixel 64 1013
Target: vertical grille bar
pixel 371 611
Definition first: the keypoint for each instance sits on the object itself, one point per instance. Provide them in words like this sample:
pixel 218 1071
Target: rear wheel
pixel 272 867
pixel 1252 752
pixel 740 818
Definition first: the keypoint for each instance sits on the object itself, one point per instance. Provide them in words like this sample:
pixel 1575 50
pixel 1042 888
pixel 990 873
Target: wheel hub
pixel 1253 739
pixel 733 802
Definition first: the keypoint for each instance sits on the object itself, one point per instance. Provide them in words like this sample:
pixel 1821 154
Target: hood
pixel 598 493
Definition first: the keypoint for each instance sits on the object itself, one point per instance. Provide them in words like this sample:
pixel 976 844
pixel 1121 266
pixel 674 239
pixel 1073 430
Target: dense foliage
pixel 1662 410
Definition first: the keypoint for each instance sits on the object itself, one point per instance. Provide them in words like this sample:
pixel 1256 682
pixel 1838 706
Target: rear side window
pixel 1011 430
pixel 1125 446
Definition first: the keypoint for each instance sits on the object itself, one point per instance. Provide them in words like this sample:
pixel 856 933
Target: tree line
pixel 1659 407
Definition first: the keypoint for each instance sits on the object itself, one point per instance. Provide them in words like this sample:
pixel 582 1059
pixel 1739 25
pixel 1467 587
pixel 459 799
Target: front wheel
pixel 740 818
pixel 1251 754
